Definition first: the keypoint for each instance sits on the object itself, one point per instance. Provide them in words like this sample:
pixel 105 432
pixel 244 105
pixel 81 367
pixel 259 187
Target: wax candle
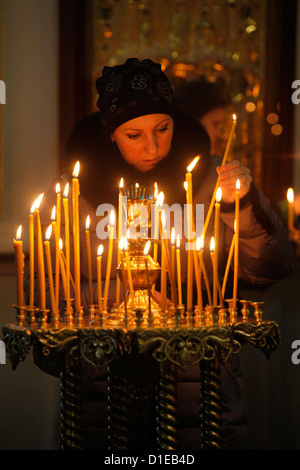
pixel 212 254
pixel 290 199
pixel 109 256
pixel 228 146
pixel 159 198
pixel 76 237
pixel 178 261
pixel 200 247
pixel 216 239
pixel 167 258
pixel 40 255
pixel 57 255
pixel 163 279
pixel 57 237
pixel 146 250
pixel 62 267
pixel 190 237
pixel 89 258
pixel 236 248
pixel 173 251
pixel 67 244
pixel 18 245
pixel 229 259
pixel 49 266
pixel 31 255
pixel 120 227
pixel 99 278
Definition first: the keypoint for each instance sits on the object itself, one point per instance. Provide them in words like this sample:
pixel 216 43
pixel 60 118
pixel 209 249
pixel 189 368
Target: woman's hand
pixel 228 176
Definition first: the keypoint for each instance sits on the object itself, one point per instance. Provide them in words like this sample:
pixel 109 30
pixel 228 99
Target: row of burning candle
pixel 62 259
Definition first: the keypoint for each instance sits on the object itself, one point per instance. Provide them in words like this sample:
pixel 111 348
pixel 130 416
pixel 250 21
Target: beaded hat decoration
pixel 133 89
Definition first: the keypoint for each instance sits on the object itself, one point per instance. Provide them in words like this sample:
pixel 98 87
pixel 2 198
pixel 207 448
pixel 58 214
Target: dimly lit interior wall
pixel 297 113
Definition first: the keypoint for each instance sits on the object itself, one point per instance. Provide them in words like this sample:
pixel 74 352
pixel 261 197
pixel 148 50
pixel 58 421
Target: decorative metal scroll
pixel 17 344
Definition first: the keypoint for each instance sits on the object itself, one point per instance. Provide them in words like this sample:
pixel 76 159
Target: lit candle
pixel 57 237
pixel 215 281
pixel 20 266
pixel 120 226
pixel 173 251
pixel 109 256
pixel 31 254
pixel 49 266
pixel 229 142
pixel 40 255
pixel 200 246
pixel 167 257
pixel 189 200
pixel 230 254
pixel 236 248
pixel 146 249
pixel 57 255
pixel 163 280
pixel 290 199
pixel 159 199
pixel 216 238
pixel 179 287
pixel 62 267
pixel 75 194
pixel 67 244
pixel 99 278
pixel 89 258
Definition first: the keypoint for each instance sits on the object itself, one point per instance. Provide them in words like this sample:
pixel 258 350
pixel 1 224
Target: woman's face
pixel 145 140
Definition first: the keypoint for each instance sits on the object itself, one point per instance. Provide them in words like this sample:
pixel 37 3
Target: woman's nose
pixel 151 144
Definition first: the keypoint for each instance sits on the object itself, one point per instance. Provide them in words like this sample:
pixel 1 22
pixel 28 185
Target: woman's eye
pixel 133 136
pixel 163 129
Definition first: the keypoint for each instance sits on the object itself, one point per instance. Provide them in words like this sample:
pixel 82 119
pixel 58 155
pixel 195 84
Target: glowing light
pixel 193 164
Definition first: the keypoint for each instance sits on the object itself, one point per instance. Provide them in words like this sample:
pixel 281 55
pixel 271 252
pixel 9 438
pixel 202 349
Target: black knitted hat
pixel 133 89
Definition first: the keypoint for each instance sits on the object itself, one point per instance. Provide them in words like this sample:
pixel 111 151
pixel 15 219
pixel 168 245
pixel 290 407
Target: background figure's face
pixel 213 122
pixel 145 140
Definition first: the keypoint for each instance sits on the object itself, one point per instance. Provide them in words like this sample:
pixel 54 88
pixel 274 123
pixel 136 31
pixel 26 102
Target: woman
pixel 139 135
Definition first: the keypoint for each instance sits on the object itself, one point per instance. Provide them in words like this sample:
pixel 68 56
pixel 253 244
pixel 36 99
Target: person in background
pixel 207 102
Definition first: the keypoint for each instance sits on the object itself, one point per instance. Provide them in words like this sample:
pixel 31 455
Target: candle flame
pixel 100 250
pixel 155 190
pixel 60 244
pixel 178 241
pixel 290 195
pixel 19 233
pixel 76 170
pixel 238 185
pixel 112 218
pixel 121 243
pixel 185 185
pixel 147 247
pixel 137 185
pixel 173 236
pixel 87 223
pixel 200 243
pixel 48 232
pixel 36 203
pixel 57 188
pixel 212 244
pixel 234 117
pixel 121 185
pixel 192 165
pixel 66 190
pixel 219 195
pixel 53 213
pixel 160 199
